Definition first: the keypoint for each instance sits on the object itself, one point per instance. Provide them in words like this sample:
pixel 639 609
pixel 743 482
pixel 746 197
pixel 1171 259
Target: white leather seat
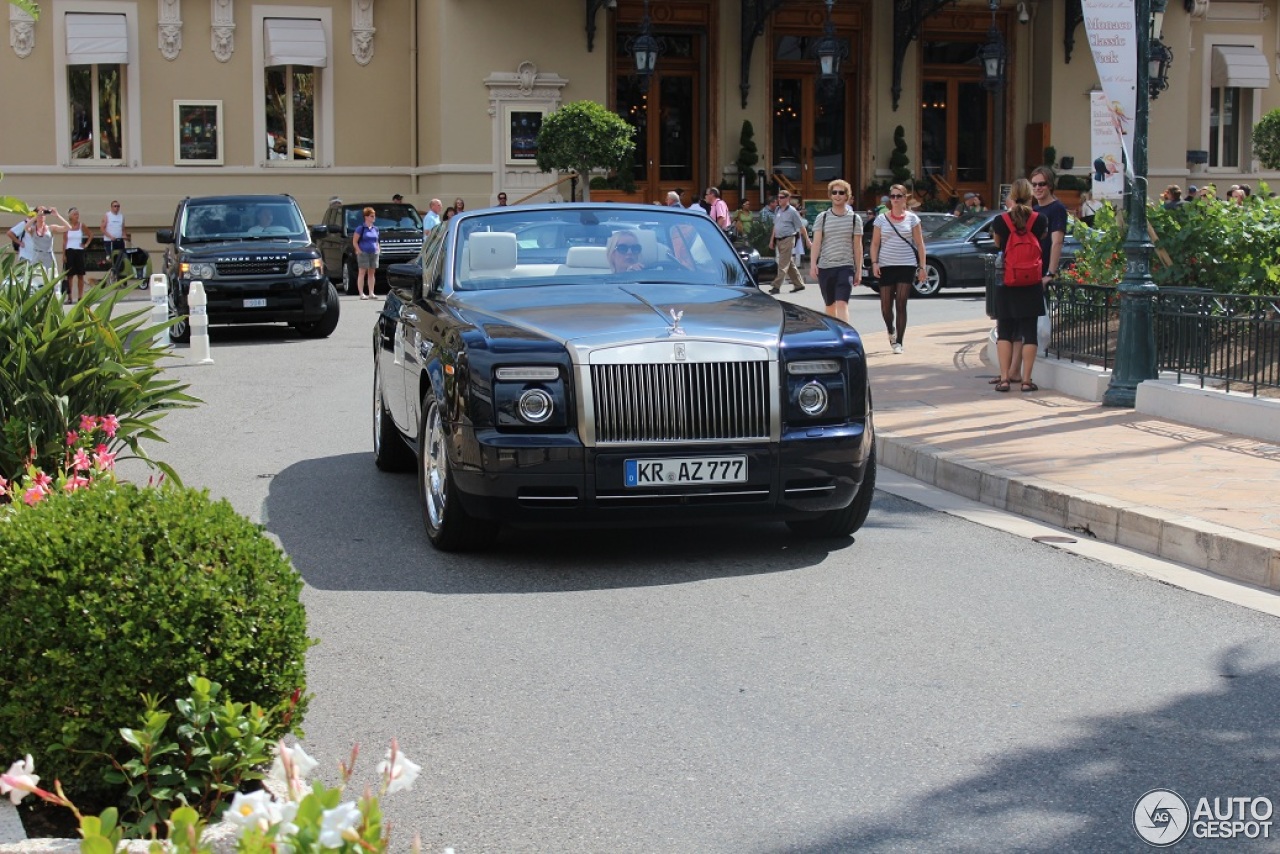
pixel 593 257
pixel 491 250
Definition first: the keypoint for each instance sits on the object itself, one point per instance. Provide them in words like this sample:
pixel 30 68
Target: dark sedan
pixel 642 381
pixel 955 250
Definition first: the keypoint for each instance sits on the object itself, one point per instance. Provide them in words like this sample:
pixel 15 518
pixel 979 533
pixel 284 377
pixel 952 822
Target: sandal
pixel 995 380
pixel 1002 385
pixel 1030 386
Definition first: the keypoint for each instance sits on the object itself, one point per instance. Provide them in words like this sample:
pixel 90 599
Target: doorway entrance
pixel 670 114
pixel 955 134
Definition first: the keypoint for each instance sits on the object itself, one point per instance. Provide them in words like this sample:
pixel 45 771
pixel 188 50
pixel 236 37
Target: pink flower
pixel 81 462
pixel 72 438
pixel 4 486
pixel 20 780
pixel 109 425
pixel 103 459
pixel 41 480
pixel 88 423
pixel 33 496
pixel 75 482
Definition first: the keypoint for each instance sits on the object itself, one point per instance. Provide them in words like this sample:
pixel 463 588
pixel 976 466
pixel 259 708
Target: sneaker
pixel 897 348
pixel 893 337
pixel 797 289
pixel 775 290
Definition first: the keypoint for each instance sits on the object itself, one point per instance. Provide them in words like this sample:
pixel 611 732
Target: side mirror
pixel 319 230
pixel 164 235
pixel 404 279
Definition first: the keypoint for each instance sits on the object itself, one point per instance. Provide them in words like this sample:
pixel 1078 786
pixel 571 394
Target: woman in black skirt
pixel 1018 308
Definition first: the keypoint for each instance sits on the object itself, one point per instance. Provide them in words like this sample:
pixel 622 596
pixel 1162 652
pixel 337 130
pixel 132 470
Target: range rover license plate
pixel 260 302
pixel 685 471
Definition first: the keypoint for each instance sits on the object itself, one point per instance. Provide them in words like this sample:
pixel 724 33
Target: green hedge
pixel 114 591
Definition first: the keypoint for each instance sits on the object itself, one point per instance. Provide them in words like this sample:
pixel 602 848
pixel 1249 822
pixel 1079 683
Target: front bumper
pixel 523 483
pixel 285 300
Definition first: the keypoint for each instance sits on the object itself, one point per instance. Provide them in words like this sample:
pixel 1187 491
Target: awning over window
pixel 1240 67
pixel 97 39
pixel 295 41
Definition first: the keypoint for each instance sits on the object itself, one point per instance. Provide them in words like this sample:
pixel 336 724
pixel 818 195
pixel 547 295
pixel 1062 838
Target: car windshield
pixel 242 219
pixel 961 227
pixel 586 244
pixel 386 217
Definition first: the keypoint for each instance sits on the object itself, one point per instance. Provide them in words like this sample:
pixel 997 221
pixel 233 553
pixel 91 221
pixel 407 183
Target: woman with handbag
pixel 897 259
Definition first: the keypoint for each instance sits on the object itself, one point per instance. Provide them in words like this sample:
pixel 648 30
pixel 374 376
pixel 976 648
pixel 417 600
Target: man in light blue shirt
pixel 432 218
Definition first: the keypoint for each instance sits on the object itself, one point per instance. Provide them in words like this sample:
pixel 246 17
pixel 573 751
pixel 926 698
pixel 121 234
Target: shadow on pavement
pixel 368 535
pixel 1217 743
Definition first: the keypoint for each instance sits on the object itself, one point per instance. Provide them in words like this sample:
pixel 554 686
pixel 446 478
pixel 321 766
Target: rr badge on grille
pixel 680 353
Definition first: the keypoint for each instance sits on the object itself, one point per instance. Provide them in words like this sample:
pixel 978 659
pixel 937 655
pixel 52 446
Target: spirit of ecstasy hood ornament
pixel 675 321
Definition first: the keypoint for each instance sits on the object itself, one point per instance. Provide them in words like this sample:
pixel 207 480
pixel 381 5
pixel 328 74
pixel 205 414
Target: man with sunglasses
pixel 837 251
pixel 114 237
pixel 788 227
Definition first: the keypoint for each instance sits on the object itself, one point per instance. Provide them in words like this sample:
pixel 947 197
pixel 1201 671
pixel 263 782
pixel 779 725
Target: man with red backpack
pixel 1019 233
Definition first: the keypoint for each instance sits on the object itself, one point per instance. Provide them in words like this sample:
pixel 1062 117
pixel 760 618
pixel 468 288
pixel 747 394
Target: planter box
pixel 618 196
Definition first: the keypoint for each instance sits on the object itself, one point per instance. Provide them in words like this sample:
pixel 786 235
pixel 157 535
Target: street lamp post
pixel 993 55
pixel 1136 344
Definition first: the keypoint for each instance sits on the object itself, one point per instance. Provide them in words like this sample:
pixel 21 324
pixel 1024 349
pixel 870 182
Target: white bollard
pixel 160 308
pixel 199 319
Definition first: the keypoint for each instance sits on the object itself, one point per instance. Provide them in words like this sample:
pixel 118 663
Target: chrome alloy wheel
pixel 435 467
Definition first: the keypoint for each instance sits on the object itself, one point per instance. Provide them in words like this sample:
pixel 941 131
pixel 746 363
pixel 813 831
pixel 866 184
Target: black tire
pixel 448 526
pixel 390 452
pixel 349 276
pixel 323 327
pixel 935 280
pixel 847 520
pixel 180 332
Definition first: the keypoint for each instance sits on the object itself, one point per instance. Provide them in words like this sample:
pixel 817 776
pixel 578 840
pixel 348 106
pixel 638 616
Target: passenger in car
pixel 624 252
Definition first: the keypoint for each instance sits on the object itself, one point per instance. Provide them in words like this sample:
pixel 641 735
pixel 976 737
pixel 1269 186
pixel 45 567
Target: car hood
pixel 585 318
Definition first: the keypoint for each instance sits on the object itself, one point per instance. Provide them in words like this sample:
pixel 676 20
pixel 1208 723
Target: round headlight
pixel 300 268
pixel 813 398
pixel 202 271
pixel 535 406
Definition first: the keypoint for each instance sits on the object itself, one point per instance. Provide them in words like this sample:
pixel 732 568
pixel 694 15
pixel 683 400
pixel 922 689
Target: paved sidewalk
pixel 1198 497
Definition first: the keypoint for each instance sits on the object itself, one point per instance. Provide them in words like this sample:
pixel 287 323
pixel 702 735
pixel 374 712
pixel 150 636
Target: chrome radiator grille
pixel 704 401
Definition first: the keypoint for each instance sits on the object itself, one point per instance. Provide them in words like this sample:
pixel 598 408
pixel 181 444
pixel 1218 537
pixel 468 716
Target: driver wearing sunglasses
pixel 624 252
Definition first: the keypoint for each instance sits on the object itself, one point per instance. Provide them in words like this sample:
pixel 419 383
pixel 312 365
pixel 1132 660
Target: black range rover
pixel 257 260
pixel 399 236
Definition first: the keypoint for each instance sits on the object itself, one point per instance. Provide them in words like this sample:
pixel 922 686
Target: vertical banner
pixel 1113 38
pixel 1105 149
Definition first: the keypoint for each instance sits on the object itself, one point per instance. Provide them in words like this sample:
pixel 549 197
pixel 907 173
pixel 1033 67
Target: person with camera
pixel 40 234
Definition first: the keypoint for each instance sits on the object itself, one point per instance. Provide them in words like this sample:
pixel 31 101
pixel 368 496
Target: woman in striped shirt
pixel 897 258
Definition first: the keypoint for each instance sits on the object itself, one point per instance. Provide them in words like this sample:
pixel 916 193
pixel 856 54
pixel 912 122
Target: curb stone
pixel 1231 553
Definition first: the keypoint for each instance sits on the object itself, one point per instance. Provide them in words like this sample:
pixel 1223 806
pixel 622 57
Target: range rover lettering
pixel 605 364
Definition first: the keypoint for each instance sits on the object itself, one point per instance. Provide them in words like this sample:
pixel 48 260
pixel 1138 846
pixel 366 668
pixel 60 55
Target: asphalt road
pixel 931 685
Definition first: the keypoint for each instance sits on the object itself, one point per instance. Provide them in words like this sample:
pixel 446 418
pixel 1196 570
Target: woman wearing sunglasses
pixel 897 259
pixel 837 251
pixel 624 252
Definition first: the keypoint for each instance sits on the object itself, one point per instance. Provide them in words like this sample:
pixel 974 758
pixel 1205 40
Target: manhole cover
pixel 1055 539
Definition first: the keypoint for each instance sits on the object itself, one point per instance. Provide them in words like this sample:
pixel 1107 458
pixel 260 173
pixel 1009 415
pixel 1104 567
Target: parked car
pixel 954 253
pixel 399 232
pixel 256 259
pixel 552 390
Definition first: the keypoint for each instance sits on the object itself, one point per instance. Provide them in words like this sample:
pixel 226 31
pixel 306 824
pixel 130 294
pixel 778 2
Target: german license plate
pixel 261 302
pixel 685 471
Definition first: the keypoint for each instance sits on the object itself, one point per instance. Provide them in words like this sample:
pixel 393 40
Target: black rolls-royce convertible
pixel 616 365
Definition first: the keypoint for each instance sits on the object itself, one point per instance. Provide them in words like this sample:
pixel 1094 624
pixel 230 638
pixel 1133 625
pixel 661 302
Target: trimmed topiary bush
pixel 116 591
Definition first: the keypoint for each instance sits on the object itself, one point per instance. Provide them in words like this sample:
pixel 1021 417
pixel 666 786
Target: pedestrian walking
pixel 459 205
pixel 1019 307
pixel 74 241
pixel 788 227
pixel 365 242
pixel 114 236
pixel 837 251
pixel 718 210
pixel 897 260
pixel 432 218
pixel 743 217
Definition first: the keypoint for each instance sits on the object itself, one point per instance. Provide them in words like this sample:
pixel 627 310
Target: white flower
pixel 252 810
pixel 398 770
pixel 300 765
pixel 338 825
pixel 18 782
